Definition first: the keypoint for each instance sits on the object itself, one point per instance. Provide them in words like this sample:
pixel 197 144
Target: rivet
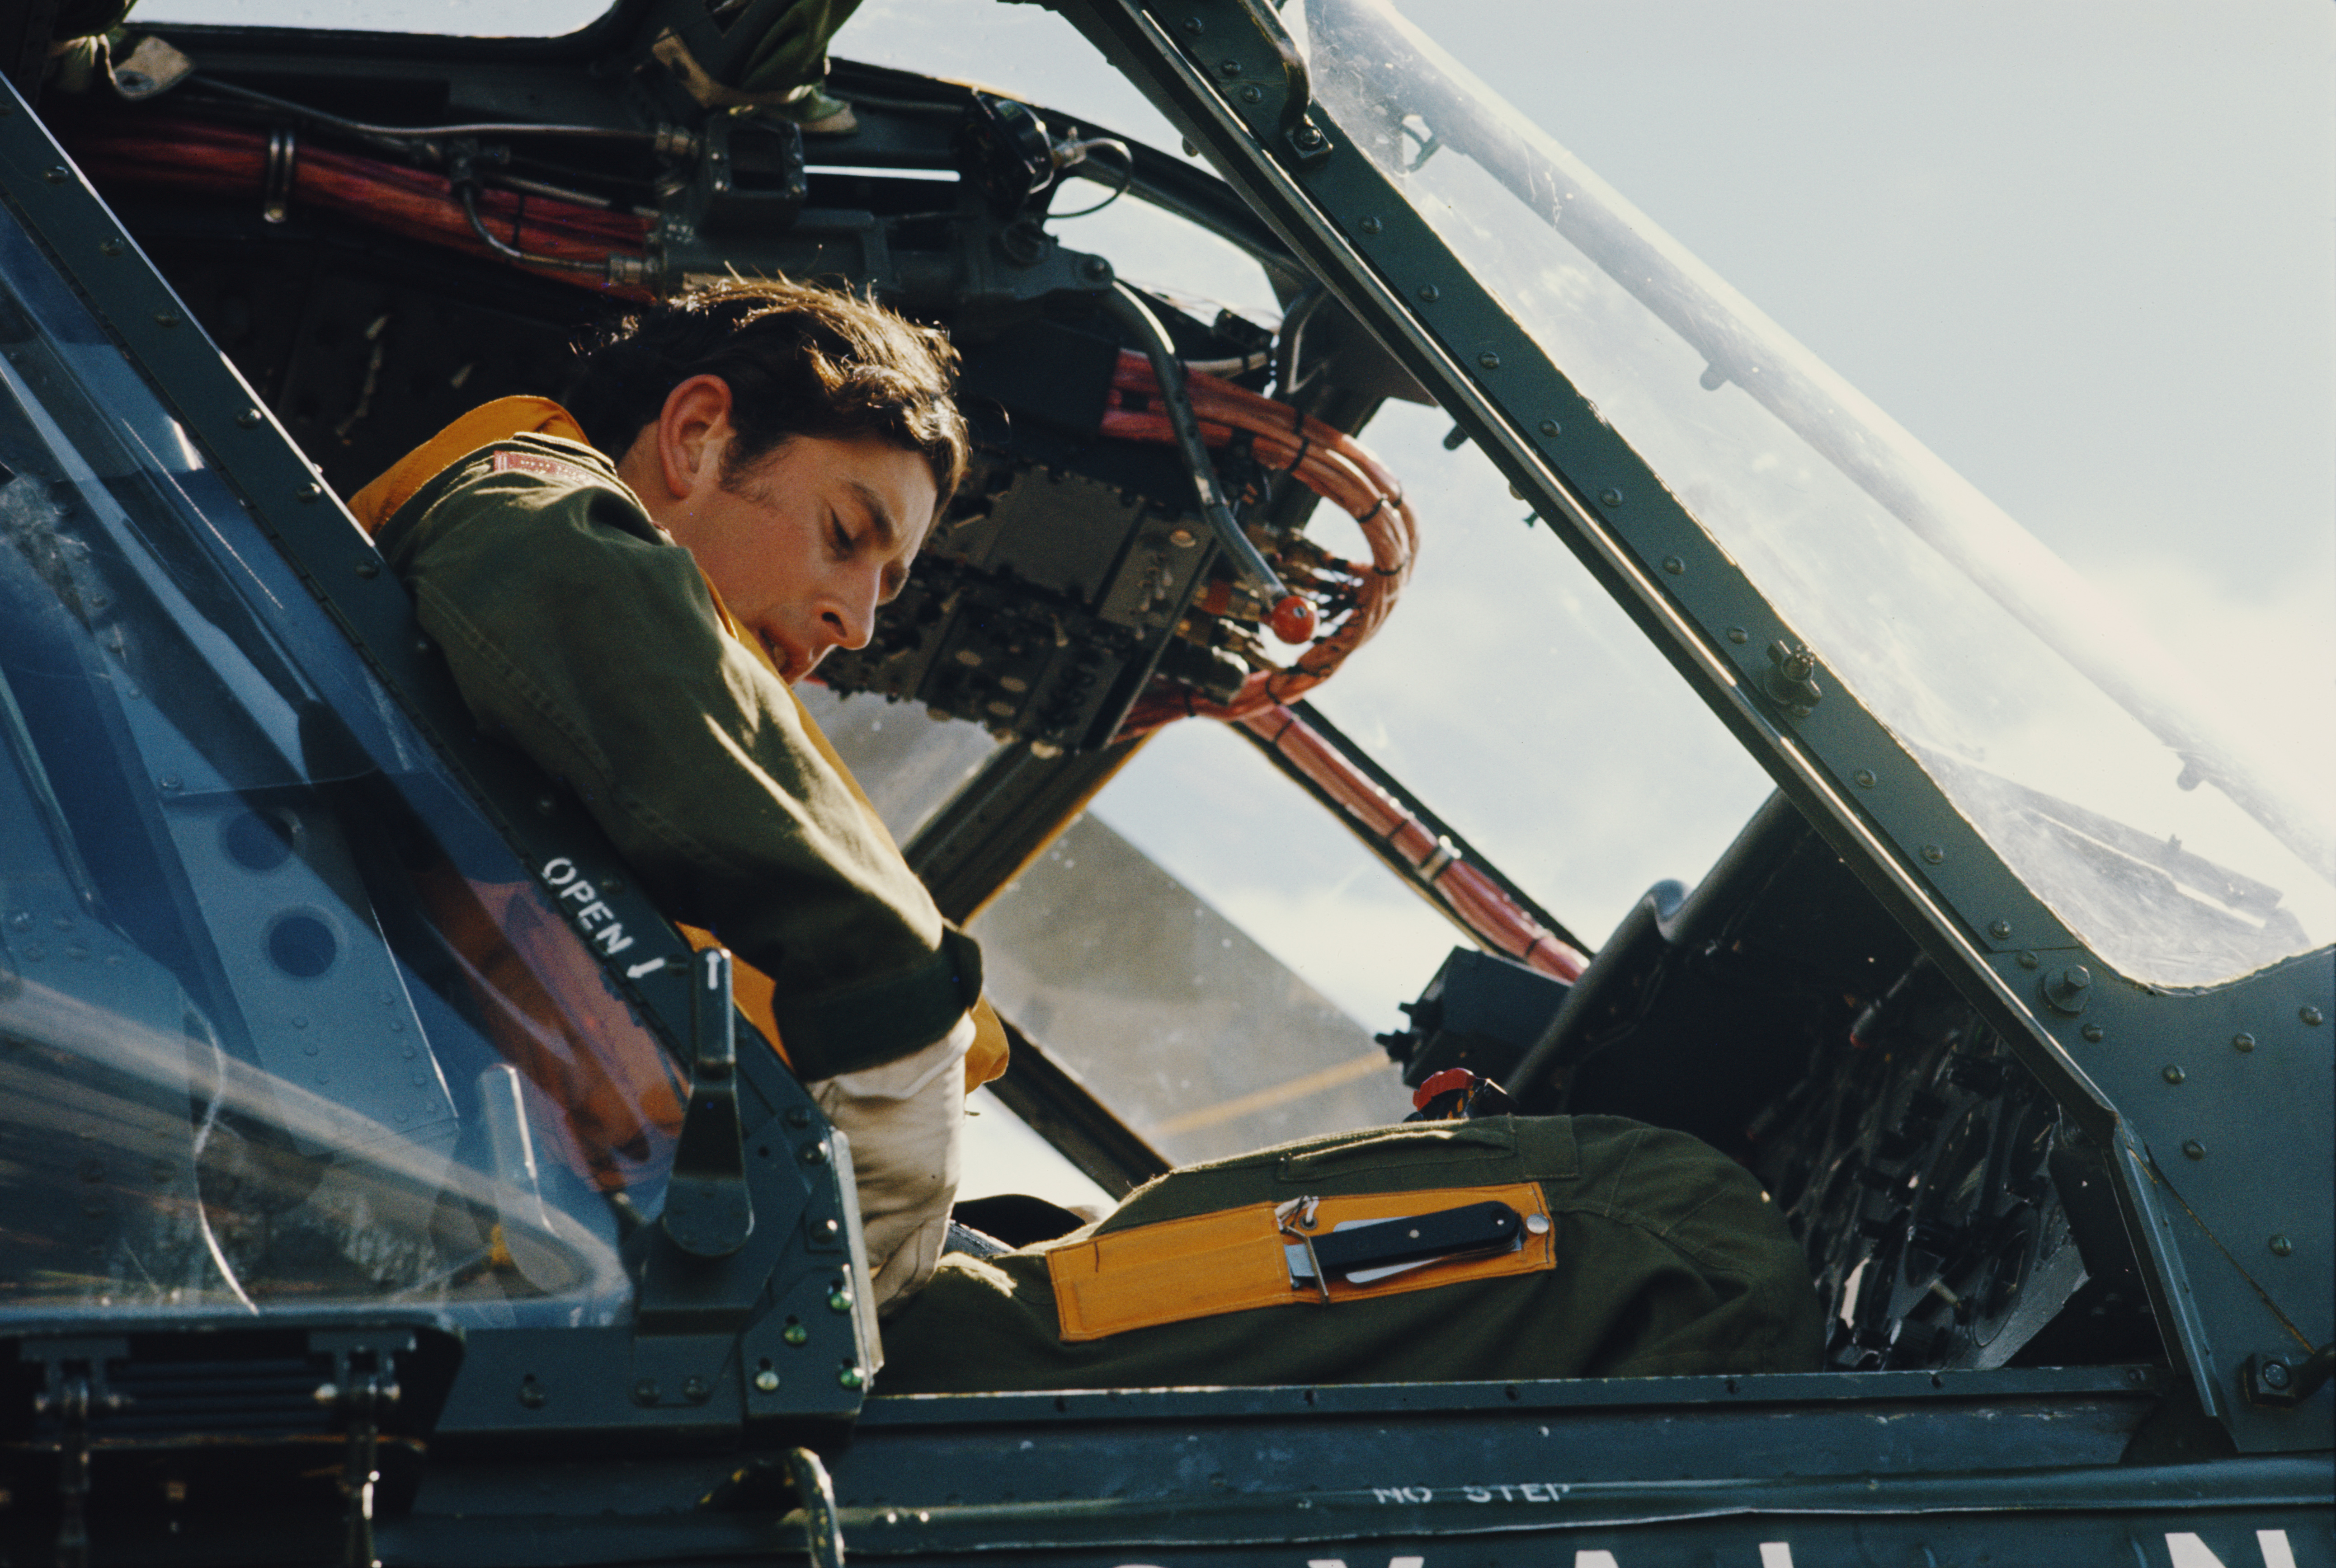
pixel 531 1394
pixel 1372 226
pixel 56 176
pixel 798 1116
pixel 167 318
pixel 1999 929
pixel 1549 427
pixel 849 1378
pixel 644 1392
pixel 251 419
pixel 2093 1032
pixel 1537 1225
pixel 767 1381
pixel 109 248
pixel 312 492
pixel 1673 565
pixel 2281 1246
pixel 1863 778
pixel 2029 960
pixel 1183 538
pixel 2192 1148
pixel 814 1154
pixel 368 568
pixel 169 781
pixel 1932 854
pixel 2309 1015
pixel 839 1300
pixel 1196 26
pixel 795 1334
pixel 1430 292
pixel 695 1390
pixel 1489 360
pixel 1610 497
pixel 2242 1042
pixel 2173 1074
pixel 1228 67
pixel 1250 94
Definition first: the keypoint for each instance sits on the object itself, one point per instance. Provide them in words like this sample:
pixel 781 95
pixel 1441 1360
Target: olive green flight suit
pixel 1669 1261
pixel 582 634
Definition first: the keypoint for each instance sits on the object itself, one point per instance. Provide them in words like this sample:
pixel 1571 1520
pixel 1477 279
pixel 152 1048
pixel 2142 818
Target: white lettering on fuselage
pixel 569 887
pixel 2188 1551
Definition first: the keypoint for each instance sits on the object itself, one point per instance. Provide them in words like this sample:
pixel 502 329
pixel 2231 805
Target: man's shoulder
pixel 526 475
pixel 552 458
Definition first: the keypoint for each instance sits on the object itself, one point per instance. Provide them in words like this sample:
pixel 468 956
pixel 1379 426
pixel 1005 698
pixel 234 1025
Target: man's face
pixel 805 544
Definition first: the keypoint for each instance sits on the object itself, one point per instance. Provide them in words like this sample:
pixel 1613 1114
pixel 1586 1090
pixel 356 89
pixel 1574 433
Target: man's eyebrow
pixel 880 516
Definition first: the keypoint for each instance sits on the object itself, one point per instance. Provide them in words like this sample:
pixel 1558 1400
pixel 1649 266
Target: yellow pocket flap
pixel 1232 1261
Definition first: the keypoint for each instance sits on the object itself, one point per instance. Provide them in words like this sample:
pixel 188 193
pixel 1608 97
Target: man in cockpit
pixel 626 586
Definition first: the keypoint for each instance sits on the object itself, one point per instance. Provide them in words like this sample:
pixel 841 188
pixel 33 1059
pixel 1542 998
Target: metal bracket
pixel 708 1211
pixel 823 1529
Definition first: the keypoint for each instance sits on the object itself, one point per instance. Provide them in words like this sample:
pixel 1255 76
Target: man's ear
pixel 693 431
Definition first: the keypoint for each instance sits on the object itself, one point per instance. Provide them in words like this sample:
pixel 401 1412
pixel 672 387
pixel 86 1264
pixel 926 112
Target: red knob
pixel 1444 1082
pixel 1293 619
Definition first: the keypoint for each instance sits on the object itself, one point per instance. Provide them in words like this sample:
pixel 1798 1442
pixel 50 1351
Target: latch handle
pixel 708 1211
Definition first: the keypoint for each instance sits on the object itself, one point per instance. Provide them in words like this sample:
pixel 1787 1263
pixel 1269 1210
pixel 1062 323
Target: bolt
pixel 1999 929
pixel 795 1334
pixel 839 1300
pixel 1095 267
pixel 644 1392
pixel 1196 26
pixel 1307 138
pixel 109 248
pixel 55 176
pixel 170 781
pixel 2069 991
pixel 2309 1015
pixel 312 492
pixel 849 1378
pixel 814 1154
pixel 2281 1246
pixel 368 569
pixel 1610 497
pixel 1863 778
pixel 249 419
pixel 2193 1150
pixel 1548 426
pixel 2092 1031
pixel 695 1390
pixel 1372 226
pixel 1673 565
pixel 2029 960
pixel 1228 67
pixel 531 1394
pixel 1250 94
pixel 2242 1042
pixel 767 1381
pixel 2172 1074
pixel 1430 292
pixel 167 318
pixel 1739 635
pixel 2274 1373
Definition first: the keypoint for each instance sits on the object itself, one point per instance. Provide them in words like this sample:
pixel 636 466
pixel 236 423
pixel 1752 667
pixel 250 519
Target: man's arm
pixel 576 632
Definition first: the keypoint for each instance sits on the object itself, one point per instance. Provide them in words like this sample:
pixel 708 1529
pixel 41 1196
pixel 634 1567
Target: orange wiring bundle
pixel 204 156
pixel 1330 463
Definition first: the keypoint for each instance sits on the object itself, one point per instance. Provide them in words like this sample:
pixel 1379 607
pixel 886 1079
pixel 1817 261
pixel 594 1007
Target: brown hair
pixel 799 360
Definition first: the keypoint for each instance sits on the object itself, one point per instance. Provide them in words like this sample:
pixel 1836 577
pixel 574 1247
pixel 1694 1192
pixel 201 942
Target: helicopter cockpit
pixel 322 1014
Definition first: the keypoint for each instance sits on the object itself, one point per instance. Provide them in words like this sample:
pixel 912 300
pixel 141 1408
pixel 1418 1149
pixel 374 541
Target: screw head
pixel 795 1334
pixel 1307 138
pixel 2092 1032
pixel 1999 929
pixel 109 248
pixel 2281 1246
pixel 251 419
pixel 696 1389
pixel 2173 1074
pixel 1228 67
pixel 1549 427
pixel 1095 267
pixel 2192 1148
pixel 1863 778
pixel 56 176
pixel 1610 497
pixel 1739 635
pixel 814 1154
pixel 2311 1015
pixel 1932 854
pixel 2242 1042
pixel 2029 960
pixel 839 1300
pixel 644 1392
pixel 1430 292
pixel 849 1378
pixel 767 1381
pixel 1489 360
pixel 531 1395
pixel 312 492
pixel 798 1116
pixel 1196 26
pixel 2274 1373
pixel 1673 565
pixel 1252 94
pixel 167 318
pixel 368 569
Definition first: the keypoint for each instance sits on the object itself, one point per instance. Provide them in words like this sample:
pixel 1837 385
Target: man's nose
pixel 849 616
